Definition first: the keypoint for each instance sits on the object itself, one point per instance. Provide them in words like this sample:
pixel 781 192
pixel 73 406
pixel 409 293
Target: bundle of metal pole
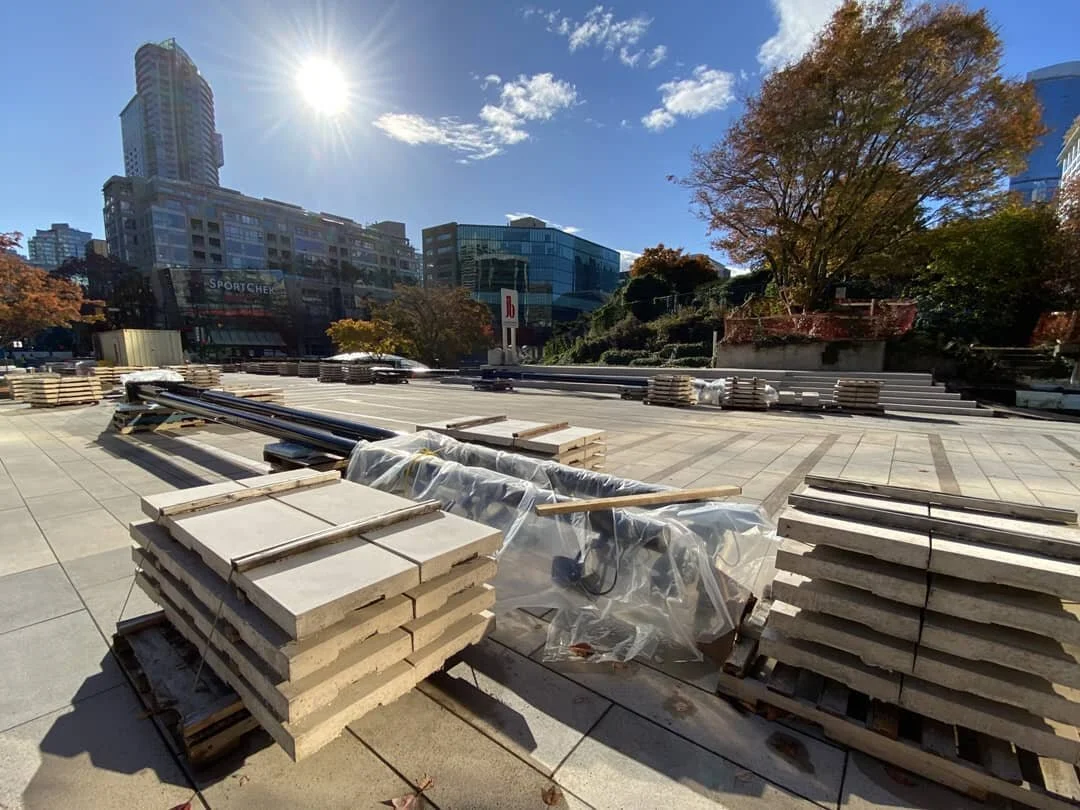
pixel 272 426
pixel 341 427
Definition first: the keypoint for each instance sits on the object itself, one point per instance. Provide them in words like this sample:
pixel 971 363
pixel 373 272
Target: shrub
pixel 691 326
pixel 672 350
pixel 651 360
pixel 623 357
pixel 689 362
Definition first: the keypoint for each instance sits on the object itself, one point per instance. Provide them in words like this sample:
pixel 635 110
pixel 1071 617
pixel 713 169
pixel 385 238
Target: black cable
pixel 614 582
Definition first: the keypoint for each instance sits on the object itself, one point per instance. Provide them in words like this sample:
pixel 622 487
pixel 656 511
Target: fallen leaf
pixel 184 806
pixel 427 783
pixel 744 776
pixel 551 795
pixel 408 802
pixel 581 649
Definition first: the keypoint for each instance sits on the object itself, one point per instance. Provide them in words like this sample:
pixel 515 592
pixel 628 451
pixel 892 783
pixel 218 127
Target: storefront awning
pixel 243 337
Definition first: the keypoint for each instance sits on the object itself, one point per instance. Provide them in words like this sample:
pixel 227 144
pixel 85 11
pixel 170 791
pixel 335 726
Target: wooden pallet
pixel 307 368
pixel 288 368
pixel 959 758
pixel 204 723
pixel 273 395
pixel 331 372
pixel 129 419
pixel 359 374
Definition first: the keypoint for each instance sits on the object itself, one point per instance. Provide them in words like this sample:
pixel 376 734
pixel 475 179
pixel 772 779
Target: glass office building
pixel 558 276
pixel 1058 90
pixel 51 248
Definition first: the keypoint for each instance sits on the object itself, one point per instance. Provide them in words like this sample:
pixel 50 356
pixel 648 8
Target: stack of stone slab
pixel 307 368
pixel 261 367
pixel 316 599
pixel 52 390
pixel 200 376
pixel 746 394
pixel 109 376
pixel 857 395
pixel 273 395
pixel 330 372
pixel 674 390
pixel 558 441
pixel 962 610
pixel 287 368
pixel 359 374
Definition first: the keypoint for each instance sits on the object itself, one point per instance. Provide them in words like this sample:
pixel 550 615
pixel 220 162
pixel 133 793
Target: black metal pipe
pixel 553 376
pixel 271 426
pixel 331 424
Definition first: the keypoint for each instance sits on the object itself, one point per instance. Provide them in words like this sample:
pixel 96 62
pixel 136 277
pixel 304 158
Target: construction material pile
pixel 675 390
pixel 272 395
pixel 331 372
pixel 746 394
pixel 109 376
pixel 307 368
pixel 858 395
pixel 962 610
pixel 316 599
pixel 200 376
pixel 359 374
pixel 138 417
pixel 558 441
pixel 261 367
pixel 52 390
pixel 288 368
pixel 625 581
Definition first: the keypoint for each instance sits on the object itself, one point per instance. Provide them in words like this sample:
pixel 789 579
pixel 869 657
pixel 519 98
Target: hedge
pixel 686 349
pixel 689 362
pixel 651 360
pixel 623 357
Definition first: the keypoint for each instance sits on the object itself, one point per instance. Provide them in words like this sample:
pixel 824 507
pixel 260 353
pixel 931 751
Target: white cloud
pixel 567 228
pixel 740 271
pixel 626 258
pixel 490 79
pixel 627 58
pixel 624 123
pixel 706 91
pixel 527 98
pixel 657 55
pixel 799 21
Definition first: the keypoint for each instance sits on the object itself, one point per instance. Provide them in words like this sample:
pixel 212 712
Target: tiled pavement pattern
pixel 495 730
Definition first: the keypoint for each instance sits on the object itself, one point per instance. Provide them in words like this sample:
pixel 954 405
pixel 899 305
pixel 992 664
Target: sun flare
pixel 323 86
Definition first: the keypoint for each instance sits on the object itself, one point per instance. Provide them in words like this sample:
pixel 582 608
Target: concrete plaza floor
pixel 502 726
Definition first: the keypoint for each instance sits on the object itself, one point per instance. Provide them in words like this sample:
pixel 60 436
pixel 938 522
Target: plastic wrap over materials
pixel 714 392
pixel 152 375
pixel 652 583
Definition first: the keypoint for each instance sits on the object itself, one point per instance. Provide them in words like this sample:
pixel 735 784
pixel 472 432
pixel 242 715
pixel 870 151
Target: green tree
pixel 683 272
pixel 376 336
pixel 439 324
pixel 896 116
pixel 648 296
pixel 988 277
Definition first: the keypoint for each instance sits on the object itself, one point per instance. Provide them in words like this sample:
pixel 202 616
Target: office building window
pixel 200 255
pixel 197 240
pixel 196 224
pixel 216 258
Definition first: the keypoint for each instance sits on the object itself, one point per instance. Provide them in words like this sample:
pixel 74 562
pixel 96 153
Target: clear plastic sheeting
pixel 152 375
pixel 714 392
pixel 627 583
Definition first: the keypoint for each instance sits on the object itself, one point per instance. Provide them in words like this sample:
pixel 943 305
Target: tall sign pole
pixel 508 306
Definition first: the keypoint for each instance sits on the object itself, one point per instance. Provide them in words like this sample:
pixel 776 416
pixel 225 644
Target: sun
pixel 323 86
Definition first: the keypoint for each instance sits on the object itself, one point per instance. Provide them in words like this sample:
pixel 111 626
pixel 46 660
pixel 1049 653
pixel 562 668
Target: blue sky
pixel 467 110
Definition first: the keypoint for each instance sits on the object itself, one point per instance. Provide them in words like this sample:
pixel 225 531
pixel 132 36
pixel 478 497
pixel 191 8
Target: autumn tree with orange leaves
pixel 897 118
pixel 32 300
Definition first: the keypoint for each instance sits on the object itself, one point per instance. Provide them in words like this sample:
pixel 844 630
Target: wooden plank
pixel 251 493
pixel 742 656
pixel 783 679
pixel 884 718
pixel 754 623
pixel 330 535
pixel 539 430
pixel 642 499
pixel 901 753
pixel 936 497
pixel 1060 778
pixel 472 421
pixel 834 698
pixel 1052 540
pixel 999 758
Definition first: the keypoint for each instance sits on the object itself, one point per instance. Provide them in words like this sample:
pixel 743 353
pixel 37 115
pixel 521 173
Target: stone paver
pixel 503 726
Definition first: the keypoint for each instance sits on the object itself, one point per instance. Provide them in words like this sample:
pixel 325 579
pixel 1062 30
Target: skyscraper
pixel 1058 90
pixel 50 248
pixel 168 126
